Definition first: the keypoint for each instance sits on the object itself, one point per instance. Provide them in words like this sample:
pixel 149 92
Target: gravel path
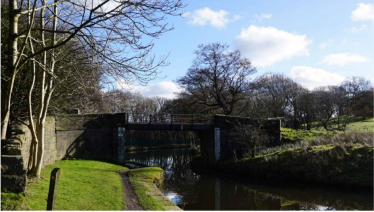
pixel 131 198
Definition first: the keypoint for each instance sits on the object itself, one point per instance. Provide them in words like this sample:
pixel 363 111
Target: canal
pixel 191 191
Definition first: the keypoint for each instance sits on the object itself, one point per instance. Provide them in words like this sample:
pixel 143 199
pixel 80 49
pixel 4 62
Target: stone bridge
pixel 103 136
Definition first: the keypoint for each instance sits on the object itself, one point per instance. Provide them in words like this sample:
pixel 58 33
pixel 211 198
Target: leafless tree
pixel 273 91
pixel 339 97
pixel 281 96
pixel 218 79
pixel 161 101
pixel 354 86
pixel 307 107
pixel 326 107
pixel 111 31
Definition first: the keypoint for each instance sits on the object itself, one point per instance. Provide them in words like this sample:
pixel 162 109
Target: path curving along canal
pixel 191 191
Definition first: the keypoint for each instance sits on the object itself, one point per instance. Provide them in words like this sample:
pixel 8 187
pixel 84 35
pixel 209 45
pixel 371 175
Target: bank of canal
pixel 191 191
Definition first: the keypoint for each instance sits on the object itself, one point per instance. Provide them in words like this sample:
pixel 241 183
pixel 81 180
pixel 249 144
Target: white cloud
pixel 363 12
pixel 265 46
pixel 206 16
pixel 323 45
pixel 354 29
pixel 344 59
pixel 313 77
pixel 326 44
pixel 263 16
pixel 166 89
pixel 185 14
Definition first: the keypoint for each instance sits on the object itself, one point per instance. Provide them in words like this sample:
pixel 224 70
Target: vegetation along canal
pixel 191 191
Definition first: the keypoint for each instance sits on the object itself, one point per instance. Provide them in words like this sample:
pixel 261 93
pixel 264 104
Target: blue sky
pixel 315 42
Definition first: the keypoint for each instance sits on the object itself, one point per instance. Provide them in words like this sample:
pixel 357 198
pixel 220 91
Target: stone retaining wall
pixel 15 155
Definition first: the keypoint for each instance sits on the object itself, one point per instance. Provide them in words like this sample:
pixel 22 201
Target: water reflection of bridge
pixel 192 191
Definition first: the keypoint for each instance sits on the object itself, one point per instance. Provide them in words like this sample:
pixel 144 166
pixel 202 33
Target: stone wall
pixel 16 151
pixel 13 174
pixel 93 144
pixel 90 136
pixel 49 145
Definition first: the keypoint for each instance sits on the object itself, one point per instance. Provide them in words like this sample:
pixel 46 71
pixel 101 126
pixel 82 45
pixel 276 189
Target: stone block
pixel 13 183
pixel 11 159
pixel 11 150
pixel 12 170
pixel 11 141
pixel 16 129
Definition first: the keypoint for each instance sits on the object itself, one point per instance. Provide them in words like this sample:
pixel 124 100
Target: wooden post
pixel 53 184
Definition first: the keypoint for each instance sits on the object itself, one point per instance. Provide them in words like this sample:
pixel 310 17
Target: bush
pixel 249 138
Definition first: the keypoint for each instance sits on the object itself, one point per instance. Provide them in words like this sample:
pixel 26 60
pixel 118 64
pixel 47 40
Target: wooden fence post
pixel 53 184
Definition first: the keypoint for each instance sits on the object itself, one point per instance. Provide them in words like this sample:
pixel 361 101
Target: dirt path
pixel 131 198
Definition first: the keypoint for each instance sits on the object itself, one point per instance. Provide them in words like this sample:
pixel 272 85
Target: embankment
pixel 146 182
pixel 344 164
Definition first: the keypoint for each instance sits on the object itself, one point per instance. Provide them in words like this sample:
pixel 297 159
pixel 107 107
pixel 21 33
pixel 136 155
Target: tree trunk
pixel 40 122
pixel 13 54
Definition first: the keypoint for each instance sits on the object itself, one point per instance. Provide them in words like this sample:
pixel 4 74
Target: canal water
pixel 191 191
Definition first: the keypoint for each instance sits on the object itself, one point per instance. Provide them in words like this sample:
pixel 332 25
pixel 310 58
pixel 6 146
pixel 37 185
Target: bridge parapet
pixel 169 118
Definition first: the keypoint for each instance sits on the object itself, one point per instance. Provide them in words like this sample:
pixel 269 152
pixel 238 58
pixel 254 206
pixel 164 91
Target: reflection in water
pixel 191 191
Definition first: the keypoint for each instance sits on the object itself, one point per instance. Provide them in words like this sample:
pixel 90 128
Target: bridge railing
pixel 169 119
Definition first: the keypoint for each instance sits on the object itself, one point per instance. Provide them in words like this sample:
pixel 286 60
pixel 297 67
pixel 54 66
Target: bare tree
pixel 326 107
pixel 218 79
pixel 274 91
pixel 358 92
pixel 354 86
pixel 280 95
pixel 340 100
pixel 110 30
pixel 307 108
pixel 161 101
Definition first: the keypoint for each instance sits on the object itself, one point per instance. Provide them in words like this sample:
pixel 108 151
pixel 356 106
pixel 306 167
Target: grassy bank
pixel 144 181
pixel 361 125
pixel 83 185
pixel 14 202
pixel 292 136
pixel 340 160
pixel 354 124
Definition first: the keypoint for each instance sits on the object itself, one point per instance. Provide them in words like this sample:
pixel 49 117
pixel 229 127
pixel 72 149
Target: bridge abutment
pixel 118 144
pixel 217 144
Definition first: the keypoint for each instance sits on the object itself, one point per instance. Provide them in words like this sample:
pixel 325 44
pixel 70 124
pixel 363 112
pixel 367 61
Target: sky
pixel 316 43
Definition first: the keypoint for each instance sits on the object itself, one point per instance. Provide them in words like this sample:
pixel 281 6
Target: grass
pixel 344 160
pixel 366 125
pixel 354 124
pixel 83 185
pixel 291 135
pixel 143 181
pixel 13 202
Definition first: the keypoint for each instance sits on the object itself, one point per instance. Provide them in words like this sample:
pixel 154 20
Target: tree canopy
pixel 218 79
